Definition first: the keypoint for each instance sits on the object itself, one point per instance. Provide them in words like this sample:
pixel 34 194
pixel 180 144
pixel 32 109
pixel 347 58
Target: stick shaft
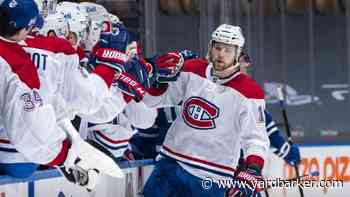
pixel 287 127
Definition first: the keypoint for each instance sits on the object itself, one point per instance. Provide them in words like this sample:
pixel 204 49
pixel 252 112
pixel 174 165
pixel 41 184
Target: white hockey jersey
pixel 114 135
pixel 59 71
pixel 28 127
pixel 64 84
pixel 217 120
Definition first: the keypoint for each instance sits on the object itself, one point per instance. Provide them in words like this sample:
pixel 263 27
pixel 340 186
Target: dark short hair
pixel 51 31
pixel 245 56
pixel 6 28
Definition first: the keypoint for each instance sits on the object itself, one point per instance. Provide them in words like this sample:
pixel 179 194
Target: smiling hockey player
pixel 222 111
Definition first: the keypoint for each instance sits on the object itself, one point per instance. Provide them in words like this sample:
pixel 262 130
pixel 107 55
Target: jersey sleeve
pixel 139 115
pixel 111 107
pixel 275 135
pixel 30 123
pixel 254 141
pixel 83 91
pixel 171 96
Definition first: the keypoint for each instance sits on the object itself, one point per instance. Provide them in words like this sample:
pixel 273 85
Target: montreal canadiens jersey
pixel 114 135
pixel 216 121
pixel 28 130
pixel 71 87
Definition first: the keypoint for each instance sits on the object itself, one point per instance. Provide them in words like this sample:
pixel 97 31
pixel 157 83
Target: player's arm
pixel 88 91
pixel 112 51
pixel 171 95
pixel 254 143
pixel 31 126
pixel 29 122
pixel 139 115
pixel 144 143
pixel 111 107
pixel 84 92
pixel 282 148
pixel 170 84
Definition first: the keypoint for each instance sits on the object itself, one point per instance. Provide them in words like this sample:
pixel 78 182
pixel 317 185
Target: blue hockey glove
pixel 290 153
pixel 134 79
pixel 111 48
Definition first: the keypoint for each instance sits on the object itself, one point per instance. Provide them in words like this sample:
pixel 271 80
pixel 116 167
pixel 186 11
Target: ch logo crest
pixel 200 113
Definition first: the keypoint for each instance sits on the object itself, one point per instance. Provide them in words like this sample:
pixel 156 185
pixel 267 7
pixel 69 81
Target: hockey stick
pixel 287 127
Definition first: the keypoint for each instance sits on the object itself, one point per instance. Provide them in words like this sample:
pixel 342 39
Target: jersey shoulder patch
pixel 53 44
pixel 246 86
pixel 196 66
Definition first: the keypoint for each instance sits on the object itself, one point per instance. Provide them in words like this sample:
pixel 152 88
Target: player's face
pixel 222 55
pixel 51 34
pixel 72 39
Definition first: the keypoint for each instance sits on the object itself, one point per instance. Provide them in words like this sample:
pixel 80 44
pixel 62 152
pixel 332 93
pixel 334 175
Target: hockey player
pixel 222 111
pixel 47 53
pixel 97 14
pixel 77 21
pixel 51 33
pixel 113 135
pixel 145 142
pixel 27 118
pixel 85 92
pixel 22 104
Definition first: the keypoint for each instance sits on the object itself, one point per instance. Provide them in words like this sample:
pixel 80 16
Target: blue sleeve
pixel 275 135
pixel 144 142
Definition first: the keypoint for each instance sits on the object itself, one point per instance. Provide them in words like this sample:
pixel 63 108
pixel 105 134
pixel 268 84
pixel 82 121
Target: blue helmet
pixel 23 13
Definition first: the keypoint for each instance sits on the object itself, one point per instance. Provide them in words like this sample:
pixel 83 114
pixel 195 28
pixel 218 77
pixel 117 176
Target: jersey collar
pixel 7 40
pixel 211 77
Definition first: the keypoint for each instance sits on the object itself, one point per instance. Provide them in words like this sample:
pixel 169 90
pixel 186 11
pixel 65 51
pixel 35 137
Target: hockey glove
pixel 247 182
pixel 128 155
pixel 143 144
pixel 133 153
pixel 134 80
pixel 111 48
pixel 76 171
pixel 290 153
pixel 168 66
